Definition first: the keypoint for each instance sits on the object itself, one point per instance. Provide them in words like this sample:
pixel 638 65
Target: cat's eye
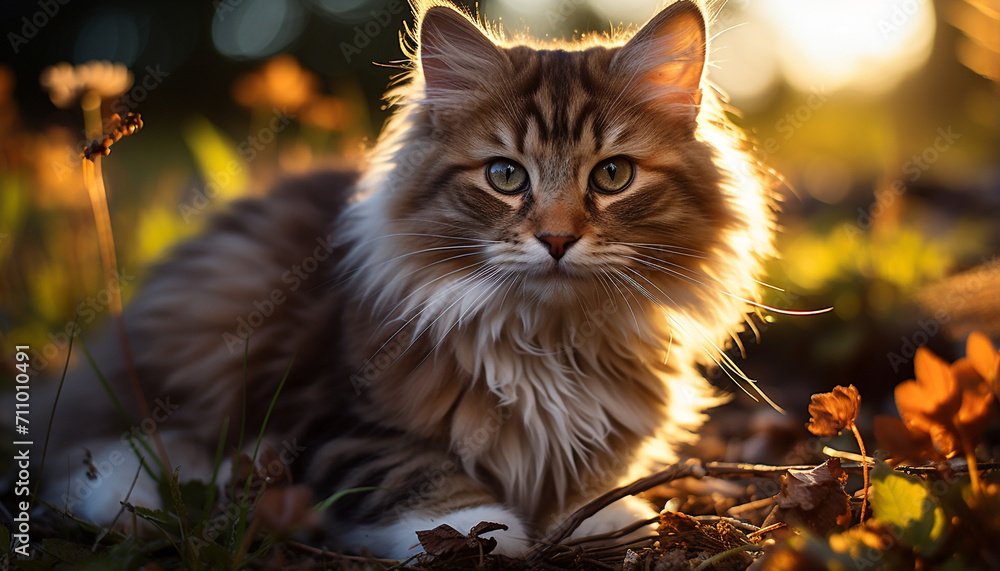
pixel 506 176
pixel 612 175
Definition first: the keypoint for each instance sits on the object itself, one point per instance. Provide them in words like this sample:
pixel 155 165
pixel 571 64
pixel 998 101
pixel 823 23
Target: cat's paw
pixel 399 540
pixel 618 515
pixel 95 493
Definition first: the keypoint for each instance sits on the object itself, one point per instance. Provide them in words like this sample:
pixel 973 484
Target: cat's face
pixel 563 168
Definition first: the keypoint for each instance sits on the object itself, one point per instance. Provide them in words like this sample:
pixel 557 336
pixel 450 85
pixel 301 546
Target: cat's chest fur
pixel 547 401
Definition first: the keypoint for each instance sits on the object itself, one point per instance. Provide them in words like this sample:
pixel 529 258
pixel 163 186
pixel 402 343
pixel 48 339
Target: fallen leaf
pixel 286 509
pixel 813 498
pixel 833 411
pixel 441 540
pixel 268 471
pixel 444 544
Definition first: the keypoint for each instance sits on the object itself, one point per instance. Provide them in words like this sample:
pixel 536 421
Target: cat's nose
pixel 557 245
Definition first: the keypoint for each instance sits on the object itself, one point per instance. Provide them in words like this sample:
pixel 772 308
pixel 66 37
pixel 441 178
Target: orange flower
pixel 281 83
pixel 907 445
pixel 833 411
pixel 985 359
pixel 951 404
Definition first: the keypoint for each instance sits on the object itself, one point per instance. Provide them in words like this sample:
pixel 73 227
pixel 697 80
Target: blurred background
pixel 883 118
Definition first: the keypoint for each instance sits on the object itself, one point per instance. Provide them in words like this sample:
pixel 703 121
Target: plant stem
pixel 864 471
pixel 711 561
pixel 93 177
pixel 970 459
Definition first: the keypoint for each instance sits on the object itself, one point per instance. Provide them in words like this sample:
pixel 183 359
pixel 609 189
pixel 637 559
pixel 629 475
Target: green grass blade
pixel 216 464
pixel 329 501
pixel 121 409
pixel 244 507
pixel 55 403
pixel 270 408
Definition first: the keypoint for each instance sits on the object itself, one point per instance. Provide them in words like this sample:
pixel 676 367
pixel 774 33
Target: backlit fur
pixel 439 336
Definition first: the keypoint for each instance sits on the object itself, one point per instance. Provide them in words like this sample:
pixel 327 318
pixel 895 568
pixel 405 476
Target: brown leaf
pixel 833 411
pixel 907 446
pixel 441 540
pixel 814 498
pixel 286 509
pixel 445 543
pixel 269 470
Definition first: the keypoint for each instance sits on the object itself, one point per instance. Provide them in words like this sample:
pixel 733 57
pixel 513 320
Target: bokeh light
pixel 259 28
pixel 111 35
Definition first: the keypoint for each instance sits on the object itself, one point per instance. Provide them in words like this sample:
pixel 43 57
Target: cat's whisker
pixel 443 237
pixel 419 312
pixel 373 293
pixel 798 312
pixel 513 275
pixel 614 283
pixel 390 312
pixel 676 250
pixel 347 276
pixel 438 222
pixel 485 275
pixel 426 235
pixel 730 365
pixel 474 308
pixel 668 271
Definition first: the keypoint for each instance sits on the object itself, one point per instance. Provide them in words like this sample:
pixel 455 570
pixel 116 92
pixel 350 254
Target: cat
pixel 495 319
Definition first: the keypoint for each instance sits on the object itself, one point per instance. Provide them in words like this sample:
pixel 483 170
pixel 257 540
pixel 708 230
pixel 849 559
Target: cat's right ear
pixel 668 56
pixel 455 54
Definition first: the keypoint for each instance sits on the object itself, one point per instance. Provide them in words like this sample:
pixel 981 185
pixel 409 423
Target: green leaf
pixel 159 517
pixel 177 499
pixel 329 501
pixel 905 503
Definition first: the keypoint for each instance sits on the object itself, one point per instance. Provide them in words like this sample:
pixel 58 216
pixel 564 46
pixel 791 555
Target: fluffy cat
pixel 492 322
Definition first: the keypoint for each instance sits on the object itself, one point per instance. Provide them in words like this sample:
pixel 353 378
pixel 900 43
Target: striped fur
pixel 443 355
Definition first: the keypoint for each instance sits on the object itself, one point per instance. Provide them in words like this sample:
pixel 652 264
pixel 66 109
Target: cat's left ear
pixel 455 54
pixel 668 56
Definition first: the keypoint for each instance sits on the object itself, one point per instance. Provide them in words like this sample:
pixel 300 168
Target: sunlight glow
pixel 836 44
